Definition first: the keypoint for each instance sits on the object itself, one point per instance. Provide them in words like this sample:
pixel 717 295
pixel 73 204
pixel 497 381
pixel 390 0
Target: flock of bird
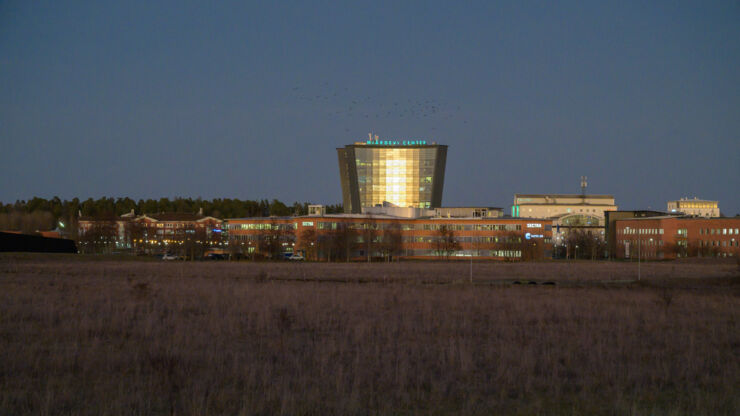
pixel 340 104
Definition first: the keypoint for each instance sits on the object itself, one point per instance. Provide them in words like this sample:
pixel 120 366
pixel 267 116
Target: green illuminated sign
pixel 396 142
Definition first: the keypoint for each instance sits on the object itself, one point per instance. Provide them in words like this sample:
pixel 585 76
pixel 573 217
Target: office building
pixel 360 237
pixel 402 173
pixel 567 211
pixel 695 207
pixel 669 237
pixel 611 225
pixel 148 233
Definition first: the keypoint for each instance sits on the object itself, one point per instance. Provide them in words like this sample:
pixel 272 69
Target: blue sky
pixel 250 99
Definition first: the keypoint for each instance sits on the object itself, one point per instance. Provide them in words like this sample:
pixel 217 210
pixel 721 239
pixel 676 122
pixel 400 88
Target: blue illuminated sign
pixel 530 236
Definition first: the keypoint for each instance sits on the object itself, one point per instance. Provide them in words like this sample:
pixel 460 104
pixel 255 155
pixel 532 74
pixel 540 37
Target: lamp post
pixel 639 249
pixel 471 267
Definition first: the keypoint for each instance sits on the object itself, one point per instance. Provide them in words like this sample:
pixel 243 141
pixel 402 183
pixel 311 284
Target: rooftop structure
pixel 558 205
pixel 696 207
pixel 469 212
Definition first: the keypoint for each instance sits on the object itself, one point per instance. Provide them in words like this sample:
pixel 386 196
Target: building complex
pixel 392 196
pixel 150 233
pixel 378 235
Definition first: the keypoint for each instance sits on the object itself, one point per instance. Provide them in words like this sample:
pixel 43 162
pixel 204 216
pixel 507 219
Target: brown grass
pixel 109 337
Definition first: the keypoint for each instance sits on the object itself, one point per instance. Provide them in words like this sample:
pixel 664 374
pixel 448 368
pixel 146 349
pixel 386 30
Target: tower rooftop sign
pixel 377 141
pixel 414 142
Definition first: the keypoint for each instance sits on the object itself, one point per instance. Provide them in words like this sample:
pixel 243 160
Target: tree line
pixel 40 214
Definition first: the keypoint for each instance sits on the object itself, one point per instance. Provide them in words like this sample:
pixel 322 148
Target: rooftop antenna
pixel 584 184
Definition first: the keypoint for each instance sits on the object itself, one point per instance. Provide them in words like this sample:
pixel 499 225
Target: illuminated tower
pixel 405 173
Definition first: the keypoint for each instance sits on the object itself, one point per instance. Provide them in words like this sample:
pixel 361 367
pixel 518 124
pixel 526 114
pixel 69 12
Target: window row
pixel 642 231
pixel 723 231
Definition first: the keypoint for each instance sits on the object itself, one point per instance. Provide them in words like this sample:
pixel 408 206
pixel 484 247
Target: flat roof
pixel 467 207
pixel 567 203
pixel 639 210
pixel 390 146
pixel 387 217
pixel 680 217
pixel 563 196
pixel 692 200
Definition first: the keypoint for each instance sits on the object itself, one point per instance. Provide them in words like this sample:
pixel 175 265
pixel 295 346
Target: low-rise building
pixel 568 212
pixel 364 237
pixel 669 237
pixel 695 207
pixel 611 221
pixel 150 233
pixel 557 205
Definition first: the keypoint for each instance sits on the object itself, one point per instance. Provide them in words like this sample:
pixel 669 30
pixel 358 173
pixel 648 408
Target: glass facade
pixel 401 176
pixel 405 176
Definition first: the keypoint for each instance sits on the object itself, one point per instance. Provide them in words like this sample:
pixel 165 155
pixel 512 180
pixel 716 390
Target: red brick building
pixel 671 237
pixel 359 237
pixel 150 233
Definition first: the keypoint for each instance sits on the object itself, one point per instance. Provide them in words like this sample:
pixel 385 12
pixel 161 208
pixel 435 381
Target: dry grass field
pixel 85 336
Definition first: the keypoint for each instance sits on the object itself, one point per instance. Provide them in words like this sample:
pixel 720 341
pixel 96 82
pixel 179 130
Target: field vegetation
pixel 208 338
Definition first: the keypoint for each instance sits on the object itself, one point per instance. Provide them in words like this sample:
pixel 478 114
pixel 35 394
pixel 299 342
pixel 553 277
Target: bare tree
pixel 342 241
pixel 369 234
pixel 391 242
pixel 134 233
pixel 510 243
pixel 235 248
pixel 100 236
pixel 583 244
pixel 309 243
pixel 271 239
pixel 193 241
pixel 532 249
pixel 446 242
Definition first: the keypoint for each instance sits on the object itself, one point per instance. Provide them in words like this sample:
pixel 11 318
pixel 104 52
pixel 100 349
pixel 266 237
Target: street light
pixel 471 267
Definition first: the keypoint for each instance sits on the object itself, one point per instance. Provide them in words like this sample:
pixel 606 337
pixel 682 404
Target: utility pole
pixel 639 249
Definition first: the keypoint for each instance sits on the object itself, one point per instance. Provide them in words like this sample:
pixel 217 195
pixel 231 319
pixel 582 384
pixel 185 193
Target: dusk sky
pixel 250 100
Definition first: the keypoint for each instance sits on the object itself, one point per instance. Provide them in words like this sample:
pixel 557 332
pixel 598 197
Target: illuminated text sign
pixel 396 142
